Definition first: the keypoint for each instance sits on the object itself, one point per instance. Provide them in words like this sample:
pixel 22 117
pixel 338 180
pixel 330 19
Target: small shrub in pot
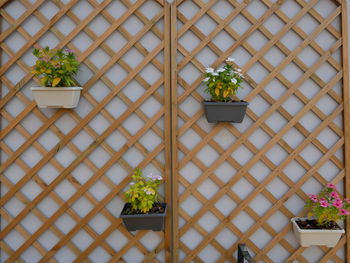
pixel 224 82
pixel 320 227
pixel 56 69
pixel 222 85
pixel 143 209
pixel 327 207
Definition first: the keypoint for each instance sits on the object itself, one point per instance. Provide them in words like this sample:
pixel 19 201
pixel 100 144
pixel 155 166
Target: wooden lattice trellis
pixel 115 130
pixel 215 165
pixel 63 171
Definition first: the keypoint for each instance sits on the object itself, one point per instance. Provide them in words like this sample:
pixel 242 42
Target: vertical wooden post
pixel 174 172
pixel 1 4
pixel 346 95
pixel 171 234
pixel 167 131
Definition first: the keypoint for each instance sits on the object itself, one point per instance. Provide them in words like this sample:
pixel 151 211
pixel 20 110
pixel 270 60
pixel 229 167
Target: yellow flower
pixel 217 91
pixel 56 81
pixel 225 93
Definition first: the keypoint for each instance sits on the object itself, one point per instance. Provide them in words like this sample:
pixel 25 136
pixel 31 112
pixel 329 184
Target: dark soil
pixel 312 224
pixel 158 208
pixel 226 101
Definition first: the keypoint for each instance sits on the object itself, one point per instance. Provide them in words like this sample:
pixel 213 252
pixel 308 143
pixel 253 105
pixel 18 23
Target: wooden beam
pixel 346 115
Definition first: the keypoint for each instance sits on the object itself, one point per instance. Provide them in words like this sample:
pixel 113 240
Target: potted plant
pixel 320 227
pixel 143 210
pixel 56 69
pixel 223 84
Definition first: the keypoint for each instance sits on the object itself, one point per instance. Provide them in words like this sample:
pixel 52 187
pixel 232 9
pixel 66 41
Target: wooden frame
pixel 176 122
pixel 346 95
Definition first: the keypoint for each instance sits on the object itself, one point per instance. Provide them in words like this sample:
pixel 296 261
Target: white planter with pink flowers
pixel 316 237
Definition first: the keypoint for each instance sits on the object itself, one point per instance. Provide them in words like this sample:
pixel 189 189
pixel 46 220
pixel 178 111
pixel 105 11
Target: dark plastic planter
pixel 135 222
pixel 233 111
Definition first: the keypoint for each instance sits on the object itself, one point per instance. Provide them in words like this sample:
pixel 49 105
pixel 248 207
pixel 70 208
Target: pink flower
pixel 347 200
pixel 334 195
pixel 338 203
pixel 154 177
pixel 69 50
pixel 331 186
pixel 344 212
pixel 323 203
pixel 313 198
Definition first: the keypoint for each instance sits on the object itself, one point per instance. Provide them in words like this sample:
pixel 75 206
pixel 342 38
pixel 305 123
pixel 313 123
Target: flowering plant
pixel 143 193
pixel 327 206
pixel 55 67
pixel 223 83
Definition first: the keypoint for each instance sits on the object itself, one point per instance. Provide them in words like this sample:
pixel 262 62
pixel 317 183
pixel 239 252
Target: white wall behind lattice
pixel 133 156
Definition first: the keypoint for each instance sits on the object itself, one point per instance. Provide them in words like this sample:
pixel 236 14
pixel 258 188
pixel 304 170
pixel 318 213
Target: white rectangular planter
pixel 316 237
pixel 56 97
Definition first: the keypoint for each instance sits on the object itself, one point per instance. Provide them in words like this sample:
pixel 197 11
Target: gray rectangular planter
pixel 135 222
pixel 233 111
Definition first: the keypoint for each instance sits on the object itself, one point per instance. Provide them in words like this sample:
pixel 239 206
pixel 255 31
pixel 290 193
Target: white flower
pixel 206 79
pixel 230 60
pixel 238 70
pixel 220 70
pixel 209 70
pixel 147 191
pixel 234 81
pixel 132 183
pixel 215 74
pixel 154 177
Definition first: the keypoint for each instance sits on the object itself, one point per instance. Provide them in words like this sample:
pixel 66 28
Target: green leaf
pixel 43 81
pixel 36 52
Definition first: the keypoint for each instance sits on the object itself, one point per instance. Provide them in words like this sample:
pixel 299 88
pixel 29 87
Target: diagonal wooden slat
pixel 18 22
